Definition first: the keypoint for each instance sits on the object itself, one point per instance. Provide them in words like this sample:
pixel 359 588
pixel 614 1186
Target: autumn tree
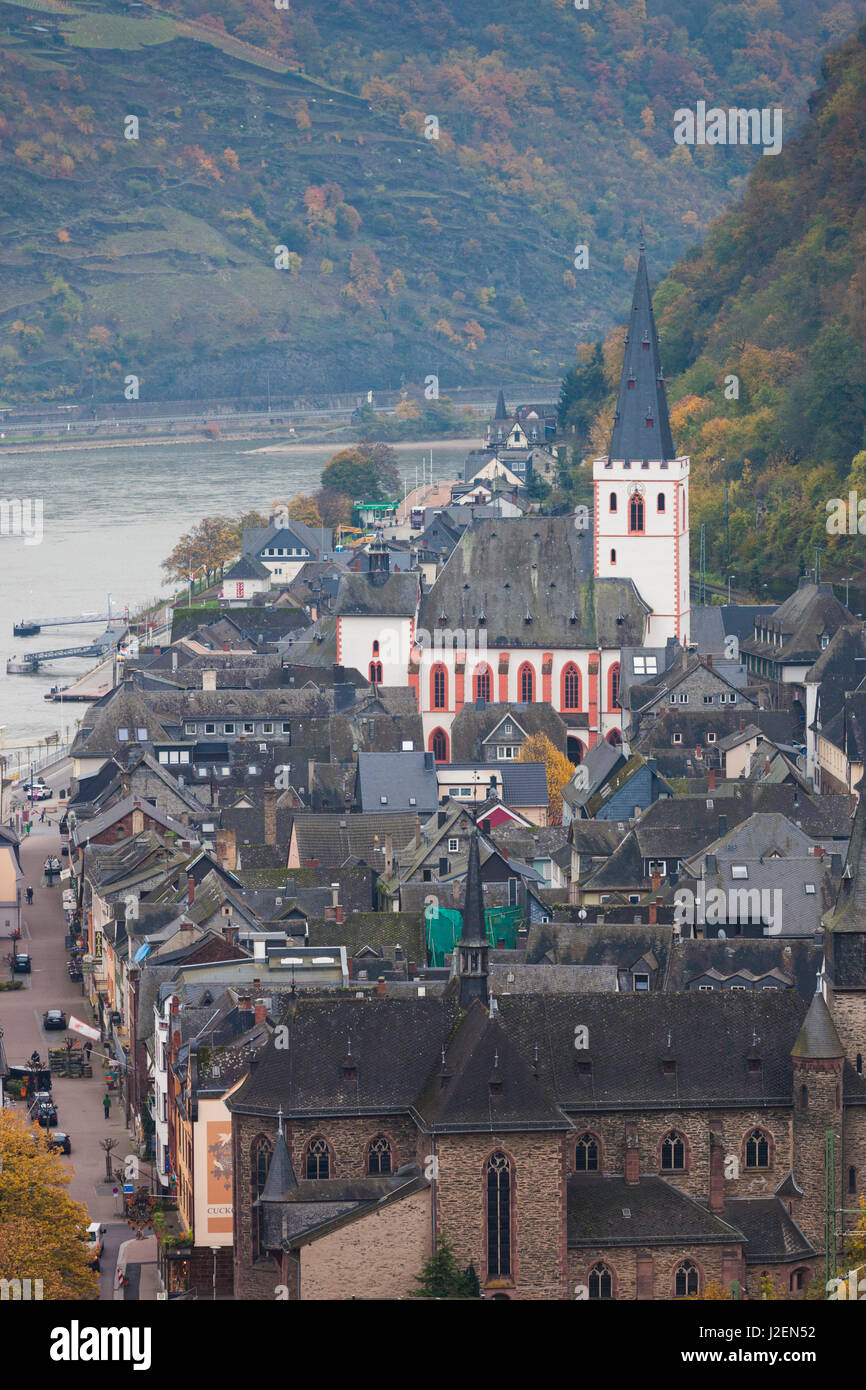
pixel 335 508
pixel 302 508
pixel 365 471
pixel 41 1228
pixel 537 748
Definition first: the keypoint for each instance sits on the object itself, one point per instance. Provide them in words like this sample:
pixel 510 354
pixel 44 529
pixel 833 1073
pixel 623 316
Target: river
pixel 110 517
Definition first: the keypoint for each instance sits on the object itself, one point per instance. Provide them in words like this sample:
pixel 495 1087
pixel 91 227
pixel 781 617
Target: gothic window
pixel 757 1150
pixel 260 1161
pixel 586 1154
pixel 635 514
pixel 526 683
pixel 804 1097
pixel 852 1179
pixel 318 1159
pixel 439 688
pixel 600 1282
pixel 686 1280
pixel 613 557
pixel 673 1153
pixel 571 687
pixel 613 687
pixel 483 683
pixel 498 1216
pixel 660 502
pixel 379 1155
pixel 439 745
pixel 375 648
pixel 375 673
pixel 613 501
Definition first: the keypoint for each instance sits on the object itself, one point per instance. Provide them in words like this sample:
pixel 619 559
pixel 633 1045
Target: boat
pixel 26 628
pixel 52 865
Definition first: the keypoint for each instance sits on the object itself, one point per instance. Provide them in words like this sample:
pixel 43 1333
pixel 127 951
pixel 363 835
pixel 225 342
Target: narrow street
pixel 79 1100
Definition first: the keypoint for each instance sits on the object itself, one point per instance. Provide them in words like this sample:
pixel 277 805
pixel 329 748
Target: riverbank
pixel 311 442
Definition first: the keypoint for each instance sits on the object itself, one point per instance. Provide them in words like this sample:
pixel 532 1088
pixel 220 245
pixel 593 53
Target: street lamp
pixel 846 580
pixel 730 577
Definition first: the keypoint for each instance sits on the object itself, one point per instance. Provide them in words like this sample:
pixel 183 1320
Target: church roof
pixel 528 582
pixel 641 425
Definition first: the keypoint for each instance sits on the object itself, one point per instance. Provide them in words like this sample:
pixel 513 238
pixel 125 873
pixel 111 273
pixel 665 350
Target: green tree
pixel 441 1276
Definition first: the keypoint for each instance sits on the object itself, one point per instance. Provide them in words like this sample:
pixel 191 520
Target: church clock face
pixel 638 489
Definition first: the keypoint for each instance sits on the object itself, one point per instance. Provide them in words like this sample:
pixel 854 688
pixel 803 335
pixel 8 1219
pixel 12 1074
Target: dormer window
pixel 669 1067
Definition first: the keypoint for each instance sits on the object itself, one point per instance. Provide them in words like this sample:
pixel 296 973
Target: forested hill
pixel 774 305
pixel 149 248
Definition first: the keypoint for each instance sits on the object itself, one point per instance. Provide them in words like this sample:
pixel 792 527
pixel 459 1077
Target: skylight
pixel 739 871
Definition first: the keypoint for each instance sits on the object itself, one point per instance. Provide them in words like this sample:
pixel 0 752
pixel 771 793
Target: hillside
pixel 262 127
pixel 774 306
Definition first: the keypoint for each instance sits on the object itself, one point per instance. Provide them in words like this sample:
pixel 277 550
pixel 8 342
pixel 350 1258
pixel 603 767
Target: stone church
pixel 597 1146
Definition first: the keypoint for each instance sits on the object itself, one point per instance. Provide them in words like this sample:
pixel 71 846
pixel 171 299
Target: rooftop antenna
pixel 280 1120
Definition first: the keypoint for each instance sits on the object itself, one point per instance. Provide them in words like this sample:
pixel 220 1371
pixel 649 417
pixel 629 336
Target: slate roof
pixel 248 567
pixel 818 1036
pixel 607 1211
pixel 539 567
pixel 474 724
pixel 597 766
pixel 406 780
pixel 839 659
pixel 772 1236
pixel 798 961
pixel 642 390
pixel 812 611
pixel 847 728
pixel 377 595
pixel 333 839
pixel 461 1093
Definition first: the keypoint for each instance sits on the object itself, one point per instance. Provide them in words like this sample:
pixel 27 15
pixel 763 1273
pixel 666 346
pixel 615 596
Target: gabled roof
pixel 398 782
pixel 378 595
pixel 772 1236
pixel 461 1093
pixel 809 614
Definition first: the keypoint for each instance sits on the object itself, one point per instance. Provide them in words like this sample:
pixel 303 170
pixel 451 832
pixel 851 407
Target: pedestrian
pixel 88 1048
pixel 29 895
pixel 106 1105
pixel 41 817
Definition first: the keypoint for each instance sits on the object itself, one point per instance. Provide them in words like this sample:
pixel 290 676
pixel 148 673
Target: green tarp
pixel 444 925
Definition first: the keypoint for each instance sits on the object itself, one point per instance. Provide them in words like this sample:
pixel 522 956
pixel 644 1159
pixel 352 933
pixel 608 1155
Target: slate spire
pixel 641 429
pixel 501 409
pixel 472 948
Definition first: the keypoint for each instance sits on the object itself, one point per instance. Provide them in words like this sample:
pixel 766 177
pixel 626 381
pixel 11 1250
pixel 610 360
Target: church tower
pixel 472 950
pixel 641 489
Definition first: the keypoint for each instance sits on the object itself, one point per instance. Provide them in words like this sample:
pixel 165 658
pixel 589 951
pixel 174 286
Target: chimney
pixel 712 779
pixel 137 821
pixel 227 849
pixel 270 815
pixel 389 855
pixel 227 646
pixel 656 880
pixel 442 817
pixel 742 723
pixel 381 987
pixel 245 1003
pixel 818 851
pixel 208 680
pixel 766 766
pixel 190 889
pixel 632 1156
pixel 653 914
pixel 710 660
pixel 260 1012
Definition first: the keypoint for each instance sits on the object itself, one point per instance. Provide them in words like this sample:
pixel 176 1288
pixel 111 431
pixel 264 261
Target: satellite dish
pixel 721 933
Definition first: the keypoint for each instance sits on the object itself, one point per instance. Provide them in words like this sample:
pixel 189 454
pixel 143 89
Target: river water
pixel 110 516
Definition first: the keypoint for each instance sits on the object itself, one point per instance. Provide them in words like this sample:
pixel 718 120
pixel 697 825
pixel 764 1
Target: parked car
pixel 95 1240
pixel 21 963
pixel 40 793
pixel 36 784
pixel 43 1111
pixel 59 1140
pixel 53 1018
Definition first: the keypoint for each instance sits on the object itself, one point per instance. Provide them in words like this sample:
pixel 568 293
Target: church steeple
pixel 472 948
pixel 641 430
